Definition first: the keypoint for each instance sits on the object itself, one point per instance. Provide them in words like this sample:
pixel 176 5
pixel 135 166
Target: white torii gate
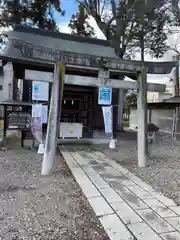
pixel 92 81
pixel 53 124
pixel 21 51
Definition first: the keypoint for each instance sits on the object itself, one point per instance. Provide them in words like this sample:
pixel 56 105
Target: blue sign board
pixel 105 96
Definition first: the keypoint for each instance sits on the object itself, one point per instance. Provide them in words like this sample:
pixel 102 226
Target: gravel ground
pixel 163 170
pixel 34 207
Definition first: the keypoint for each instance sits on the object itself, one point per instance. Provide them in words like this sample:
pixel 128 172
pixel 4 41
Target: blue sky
pixel 70 7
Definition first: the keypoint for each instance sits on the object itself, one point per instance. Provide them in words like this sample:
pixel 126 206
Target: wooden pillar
pixel 120 109
pixel 15 83
pixel 27 93
pixel 115 93
pixel 142 119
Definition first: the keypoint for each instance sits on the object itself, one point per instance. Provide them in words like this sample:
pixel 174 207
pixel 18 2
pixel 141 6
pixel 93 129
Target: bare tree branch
pixel 113 5
pixel 126 21
pixel 103 6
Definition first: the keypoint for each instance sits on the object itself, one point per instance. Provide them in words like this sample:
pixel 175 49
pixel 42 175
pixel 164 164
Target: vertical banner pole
pixel 111 142
pixel 49 159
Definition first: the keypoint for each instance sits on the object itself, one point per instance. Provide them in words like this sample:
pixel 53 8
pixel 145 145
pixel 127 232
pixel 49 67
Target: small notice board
pixel 17 120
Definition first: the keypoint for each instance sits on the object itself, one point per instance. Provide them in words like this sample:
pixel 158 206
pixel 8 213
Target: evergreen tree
pixel 39 13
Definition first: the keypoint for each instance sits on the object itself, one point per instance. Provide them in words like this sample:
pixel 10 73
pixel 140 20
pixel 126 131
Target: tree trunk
pixel 142 44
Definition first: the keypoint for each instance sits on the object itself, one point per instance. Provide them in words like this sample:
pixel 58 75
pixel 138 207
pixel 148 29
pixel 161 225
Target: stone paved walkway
pixel 127 207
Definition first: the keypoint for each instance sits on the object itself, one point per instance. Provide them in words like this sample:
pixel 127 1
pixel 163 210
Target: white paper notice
pixel 44 116
pixel 36 110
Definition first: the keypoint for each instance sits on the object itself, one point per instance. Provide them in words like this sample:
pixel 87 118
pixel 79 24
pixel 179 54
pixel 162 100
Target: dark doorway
pixel 70 109
pixel 77 107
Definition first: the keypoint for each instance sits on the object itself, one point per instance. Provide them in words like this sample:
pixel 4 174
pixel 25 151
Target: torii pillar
pixel 142 119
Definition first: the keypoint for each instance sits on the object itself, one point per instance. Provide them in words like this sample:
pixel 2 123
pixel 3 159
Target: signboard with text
pixel 105 96
pixel 48 55
pixel 17 120
pixel 40 91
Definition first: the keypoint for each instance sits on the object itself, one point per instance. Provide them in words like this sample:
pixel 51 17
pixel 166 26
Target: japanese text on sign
pixel 105 96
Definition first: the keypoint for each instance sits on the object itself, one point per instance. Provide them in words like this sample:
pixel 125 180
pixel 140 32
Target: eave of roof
pixel 64 36
pixel 15 103
pixel 175 99
pixel 22 48
pixel 159 105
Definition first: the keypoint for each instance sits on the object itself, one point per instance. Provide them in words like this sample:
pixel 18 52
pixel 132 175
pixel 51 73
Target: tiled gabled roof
pixel 63 42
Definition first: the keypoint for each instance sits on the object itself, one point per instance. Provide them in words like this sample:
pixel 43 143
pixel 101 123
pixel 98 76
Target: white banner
pixel 36 125
pixel 36 122
pixel 107 115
